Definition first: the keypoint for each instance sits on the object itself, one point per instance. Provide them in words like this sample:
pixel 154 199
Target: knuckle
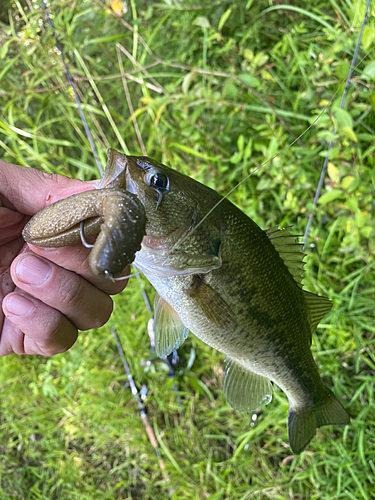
pixel 59 336
pixel 85 305
pixel 51 327
pixel 72 292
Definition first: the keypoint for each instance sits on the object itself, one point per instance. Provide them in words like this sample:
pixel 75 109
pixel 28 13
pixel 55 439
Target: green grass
pixel 221 88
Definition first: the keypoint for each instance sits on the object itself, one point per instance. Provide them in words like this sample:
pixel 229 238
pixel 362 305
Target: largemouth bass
pixel 236 287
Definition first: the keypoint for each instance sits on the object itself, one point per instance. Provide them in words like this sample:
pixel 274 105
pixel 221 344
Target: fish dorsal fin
pixel 244 390
pixel 169 330
pixel 289 250
pixel 317 308
pixel 291 253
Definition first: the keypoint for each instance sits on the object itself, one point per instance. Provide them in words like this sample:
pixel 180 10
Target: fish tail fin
pixel 302 424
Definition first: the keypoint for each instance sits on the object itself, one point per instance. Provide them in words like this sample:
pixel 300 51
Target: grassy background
pixel 217 88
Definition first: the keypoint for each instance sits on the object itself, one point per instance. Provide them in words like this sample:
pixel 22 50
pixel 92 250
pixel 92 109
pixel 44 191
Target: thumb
pixel 29 190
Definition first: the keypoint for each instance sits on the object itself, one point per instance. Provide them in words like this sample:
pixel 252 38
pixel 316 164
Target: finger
pixel 75 258
pixel 31 327
pixel 82 303
pixel 37 189
pixel 7 254
pixel 11 223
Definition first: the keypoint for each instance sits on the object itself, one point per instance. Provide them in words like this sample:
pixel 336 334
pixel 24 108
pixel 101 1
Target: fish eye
pixel 157 180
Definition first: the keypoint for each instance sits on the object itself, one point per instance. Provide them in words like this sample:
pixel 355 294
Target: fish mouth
pixel 130 184
pixel 115 171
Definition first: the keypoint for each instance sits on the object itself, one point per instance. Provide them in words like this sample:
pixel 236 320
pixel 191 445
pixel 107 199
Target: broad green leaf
pixel 264 183
pixel 366 231
pixel 348 131
pixel 342 70
pixel 241 142
pixel 250 80
pixel 347 181
pixel 343 118
pixel 202 21
pixel 236 158
pixel 369 71
pixel 4 48
pixel 248 54
pixel 333 172
pixel 260 59
pixel 187 81
pixel 330 196
pixel 368 37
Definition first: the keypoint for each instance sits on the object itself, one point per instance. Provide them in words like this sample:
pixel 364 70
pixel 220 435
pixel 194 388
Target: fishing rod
pixel 139 399
pixel 330 144
pixel 133 387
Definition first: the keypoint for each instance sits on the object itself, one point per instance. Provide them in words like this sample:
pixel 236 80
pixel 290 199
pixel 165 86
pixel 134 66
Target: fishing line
pixel 149 429
pixel 254 171
pixel 317 194
pixel 133 275
pixel 330 144
pixel 132 385
pixel 92 145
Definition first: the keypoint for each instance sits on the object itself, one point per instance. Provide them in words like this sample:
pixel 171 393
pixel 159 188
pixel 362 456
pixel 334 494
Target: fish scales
pixel 243 301
pixel 218 274
pixel 263 297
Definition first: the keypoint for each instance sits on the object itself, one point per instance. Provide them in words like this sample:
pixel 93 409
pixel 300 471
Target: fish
pixel 236 287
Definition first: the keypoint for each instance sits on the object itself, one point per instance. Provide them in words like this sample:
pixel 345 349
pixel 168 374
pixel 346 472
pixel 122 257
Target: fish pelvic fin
pixel 169 330
pixel 244 390
pixel 302 424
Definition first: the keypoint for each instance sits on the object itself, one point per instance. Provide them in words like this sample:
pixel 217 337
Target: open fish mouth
pixel 117 173
pixel 111 211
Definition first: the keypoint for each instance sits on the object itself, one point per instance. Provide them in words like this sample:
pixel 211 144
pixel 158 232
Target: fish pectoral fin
pixel 317 308
pixel 212 304
pixel 244 390
pixel 169 330
pixel 185 263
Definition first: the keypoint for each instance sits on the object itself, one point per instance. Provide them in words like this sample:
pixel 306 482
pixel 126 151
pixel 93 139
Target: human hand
pixel 46 294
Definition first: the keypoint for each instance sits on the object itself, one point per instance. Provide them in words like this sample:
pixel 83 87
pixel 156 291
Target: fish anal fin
pixel 317 308
pixel 244 390
pixel 289 250
pixel 302 425
pixel 212 304
pixel 168 328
